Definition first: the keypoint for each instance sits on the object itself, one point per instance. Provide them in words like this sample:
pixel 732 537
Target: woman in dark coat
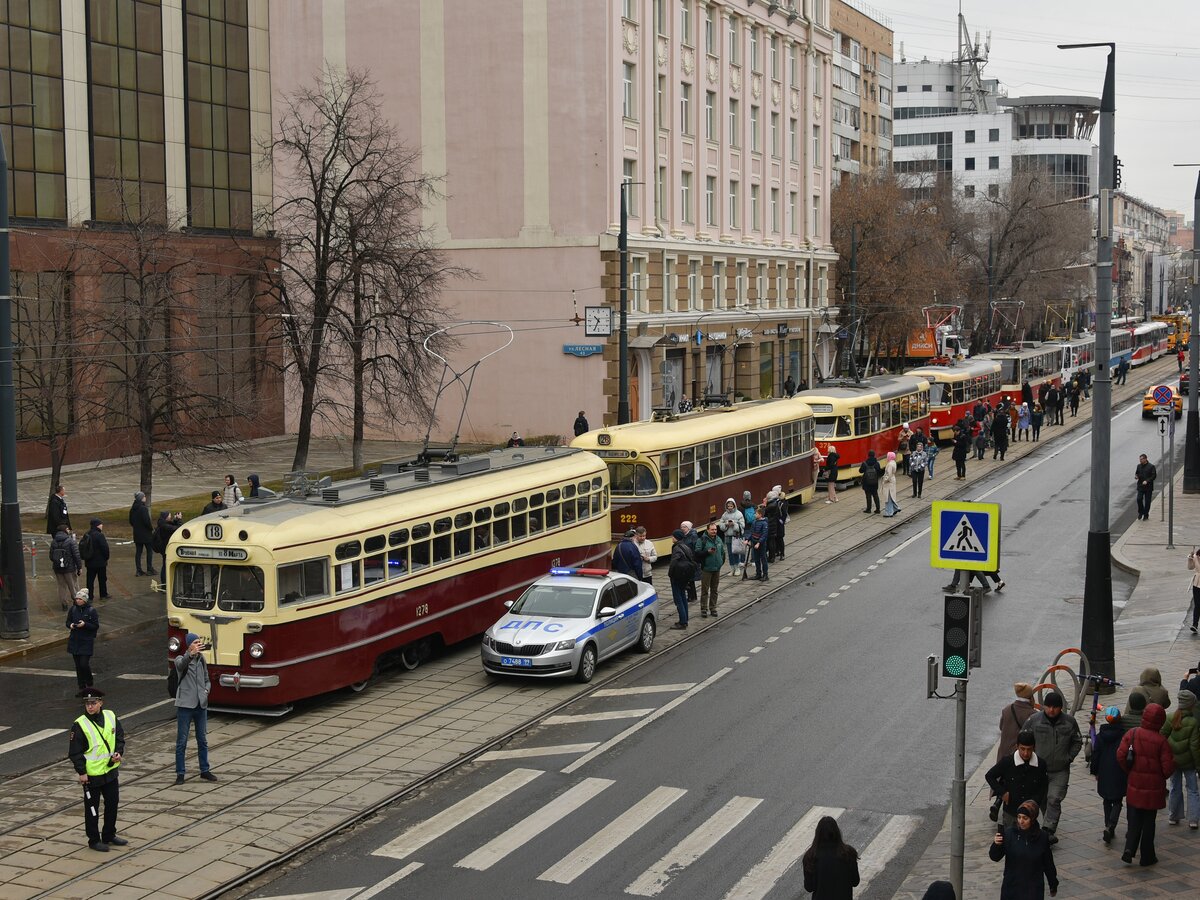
pixel 830 865
pixel 1146 791
pixel 871 473
pixel 83 622
pixel 1028 857
pixel 1110 777
pixel 962 447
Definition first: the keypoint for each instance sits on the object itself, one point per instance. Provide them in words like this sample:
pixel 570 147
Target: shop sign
pixel 717 335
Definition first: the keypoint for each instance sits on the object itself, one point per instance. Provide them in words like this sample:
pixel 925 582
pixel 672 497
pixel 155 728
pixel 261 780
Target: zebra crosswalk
pixel 617 831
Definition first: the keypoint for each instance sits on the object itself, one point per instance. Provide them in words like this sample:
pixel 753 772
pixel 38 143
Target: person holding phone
pixel 191 706
pixel 1195 570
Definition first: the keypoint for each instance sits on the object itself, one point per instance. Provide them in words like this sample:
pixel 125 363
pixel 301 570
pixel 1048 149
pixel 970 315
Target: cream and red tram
pixel 955 389
pixel 665 472
pixel 1039 365
pixel 310 592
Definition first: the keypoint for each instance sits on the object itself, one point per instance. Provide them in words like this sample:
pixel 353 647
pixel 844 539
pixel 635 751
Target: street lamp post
pixel 1097 632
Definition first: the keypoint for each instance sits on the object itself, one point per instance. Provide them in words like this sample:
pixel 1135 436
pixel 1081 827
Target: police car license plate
pixel 519 661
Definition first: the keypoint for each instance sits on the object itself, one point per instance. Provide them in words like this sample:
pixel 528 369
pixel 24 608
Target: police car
pixel 568 621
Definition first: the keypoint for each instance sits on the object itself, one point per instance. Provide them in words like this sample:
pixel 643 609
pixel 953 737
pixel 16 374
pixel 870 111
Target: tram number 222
pixel 422 609
pixel 628 518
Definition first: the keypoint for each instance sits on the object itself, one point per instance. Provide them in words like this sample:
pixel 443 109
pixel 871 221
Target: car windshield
pixel 557 601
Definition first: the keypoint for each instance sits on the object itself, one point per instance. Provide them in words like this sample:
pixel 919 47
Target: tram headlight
pixel 173 645
pixel 257 650
pixel 565 645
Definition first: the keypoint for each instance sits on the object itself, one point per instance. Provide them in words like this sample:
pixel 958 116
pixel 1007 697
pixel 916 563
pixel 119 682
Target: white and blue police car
pixel 568 621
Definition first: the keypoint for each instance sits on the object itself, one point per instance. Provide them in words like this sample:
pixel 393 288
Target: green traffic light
pixel 955 666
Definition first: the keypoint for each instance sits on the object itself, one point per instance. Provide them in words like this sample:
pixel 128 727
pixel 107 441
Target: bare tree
pixel 347 218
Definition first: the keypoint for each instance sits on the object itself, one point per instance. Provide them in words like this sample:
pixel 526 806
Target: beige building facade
pixel 862 88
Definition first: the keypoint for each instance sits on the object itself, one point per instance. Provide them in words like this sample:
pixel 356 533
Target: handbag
pixel 1129 754
pixel 737 546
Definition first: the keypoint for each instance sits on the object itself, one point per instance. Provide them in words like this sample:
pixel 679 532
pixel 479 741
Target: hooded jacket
pixel 71 546
pixel 1028 863
pixel 1153 760
pixel 732 523
pixel 1152 689
pixel 1110 777
pixel 1182 732
pixel 1058 741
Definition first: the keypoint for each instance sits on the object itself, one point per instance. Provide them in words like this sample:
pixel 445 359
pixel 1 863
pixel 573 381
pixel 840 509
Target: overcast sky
pixel 1158 70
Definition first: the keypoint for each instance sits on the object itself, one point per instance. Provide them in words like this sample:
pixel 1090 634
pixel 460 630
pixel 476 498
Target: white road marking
pixel 134 676
pixel 381 886
pixel 611 836
pixel 741 659
pixel 785 629
pixel 822 603
pixel 37 736
pixel 416 837
pixel 887 843
pixel 835 595
pixel 881 561
pixel 811 612
pixel 31 670
pixel 140 710
pixel 339 894
pixel 527 752
pixel 648 689
pixel 692 847
pixel 872 567
pixel 653 717
pixel 799 620
pixel 854 581
pixel 772 639
pixel 531 826
pixel 844 587
pixel 757 649
pixel 759 881
pixel 597 716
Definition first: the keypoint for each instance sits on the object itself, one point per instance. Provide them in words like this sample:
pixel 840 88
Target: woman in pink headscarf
pixel 891 505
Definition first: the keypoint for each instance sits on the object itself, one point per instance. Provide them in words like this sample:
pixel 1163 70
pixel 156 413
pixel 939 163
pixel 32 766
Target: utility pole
pixel 1191 445
pixel 1097 631
pixel 623 352
pixel 852 341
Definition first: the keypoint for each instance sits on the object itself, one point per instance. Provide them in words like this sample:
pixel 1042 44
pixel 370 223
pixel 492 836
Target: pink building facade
pixel 536 112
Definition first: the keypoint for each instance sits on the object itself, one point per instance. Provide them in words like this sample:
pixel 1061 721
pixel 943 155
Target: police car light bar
pixel 557 571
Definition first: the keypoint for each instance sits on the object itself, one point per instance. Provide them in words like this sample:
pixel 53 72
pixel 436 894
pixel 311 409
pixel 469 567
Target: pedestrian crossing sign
pixel 965 536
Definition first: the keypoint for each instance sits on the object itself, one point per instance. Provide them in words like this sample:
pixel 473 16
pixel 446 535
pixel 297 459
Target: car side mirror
pixel 607 612
pixel 508 604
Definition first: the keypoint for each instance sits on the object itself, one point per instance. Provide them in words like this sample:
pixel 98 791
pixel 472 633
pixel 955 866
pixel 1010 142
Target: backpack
pixel 60 559
pixel 86 550
pixel 683 567
pixel 870 477
pixel 173 681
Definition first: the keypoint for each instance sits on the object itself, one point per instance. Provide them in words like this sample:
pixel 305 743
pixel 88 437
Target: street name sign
pixel 965 536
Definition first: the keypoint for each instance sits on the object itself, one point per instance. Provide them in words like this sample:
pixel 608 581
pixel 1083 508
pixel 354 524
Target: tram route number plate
pixel 523 662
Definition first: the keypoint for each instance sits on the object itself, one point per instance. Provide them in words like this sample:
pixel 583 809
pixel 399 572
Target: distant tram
pixel 310 592
pixel 1149 342
pixel 1038 365
pixel 955 389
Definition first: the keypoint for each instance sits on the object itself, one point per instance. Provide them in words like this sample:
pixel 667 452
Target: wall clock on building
pixel 597 321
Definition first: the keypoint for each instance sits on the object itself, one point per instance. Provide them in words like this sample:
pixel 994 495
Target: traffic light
pixel 956 636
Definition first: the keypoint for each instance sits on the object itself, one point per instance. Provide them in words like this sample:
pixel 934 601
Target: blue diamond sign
pixel 965 536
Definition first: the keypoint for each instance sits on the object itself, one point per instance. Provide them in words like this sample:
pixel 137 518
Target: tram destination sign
pixel 210 553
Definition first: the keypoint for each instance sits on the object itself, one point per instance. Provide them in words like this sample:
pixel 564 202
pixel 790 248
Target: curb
pixel 55 643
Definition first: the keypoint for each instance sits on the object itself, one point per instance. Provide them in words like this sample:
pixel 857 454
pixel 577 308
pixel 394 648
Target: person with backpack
pixel 680 573
pixel 67 565
pixel 83 622
pixel 191 705
pixel 870 472
pixel 143 534
pixel 233 492
pixel 1182 732
pixel 93 550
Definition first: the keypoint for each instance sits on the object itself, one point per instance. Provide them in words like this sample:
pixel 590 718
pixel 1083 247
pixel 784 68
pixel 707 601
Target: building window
pixel 694 301
pixel 718 286
pixel 660 194
pixel 710 115
pixel 637 282
pixel 926 88
pixel 902 89
pixel 710 200
pixel 629 176
pixel 969 191
pixel 129 169
pixel 742 286
pixel 775 134
pixel 734 59
pixel 685 108
pixel 817 155
pixel 628 105
pixel 775 210
pixel 755 224
pixel 629 9
pixel 685 22
pixel 670 285
pixel 733 123
pixel 969 137
pixel 660 16
pixel 662 111
pixel 793 141
pixel 993 191
pixel 31 72
pixel 969 163
pixel 793 213
pixel 818 80
pixel 775 57
pixel 754 66
pixel 685 196
pixel 815 230
pixel 755 144
pixel 217 48
pixel 793 66
pixel 993 162
pixel 760 284
pixel 733 204
pixel 710 32
pixel 993 134
pixel 780 287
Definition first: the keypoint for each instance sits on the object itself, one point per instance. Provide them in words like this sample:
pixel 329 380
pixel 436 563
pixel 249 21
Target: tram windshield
pixel 939 393
pixel 231 588
pixel 831 426
pixel 632 480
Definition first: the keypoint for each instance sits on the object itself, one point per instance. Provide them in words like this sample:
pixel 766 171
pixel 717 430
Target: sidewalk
pixel 1151 631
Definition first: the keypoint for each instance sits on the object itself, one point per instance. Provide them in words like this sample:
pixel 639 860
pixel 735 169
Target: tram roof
pixel 886 386
pixel 1022 352
pixel 974 366
pixel 697 426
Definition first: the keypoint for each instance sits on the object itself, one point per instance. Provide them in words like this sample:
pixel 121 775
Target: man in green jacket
pixel 710 551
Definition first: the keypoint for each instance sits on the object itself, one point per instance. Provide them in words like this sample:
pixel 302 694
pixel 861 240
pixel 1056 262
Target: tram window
pixel 397 538
pixel 346 576
pixel 940 393
pixel 536 500
pixel 776 442
pixel 553 496
pixel 441 549
pixel 862 420
pixel 462 542
pixel 519 529
pixel 375 544
pixel 581 507
pixel 595 504
pixel 552 516
pixel 687 468
pixel 922 403
pixel 876 417
pixel 520 504
pixel 535 523
pixel 568 491
pixel 397 562
pixel 585 486
pixel 421 532
pixel 500 531
pixel 597 483
pixel 462 520
pixel 483 515
pixel 419 555
pixel 195 585
pixel 632 479
pixel 753 450
pixel 348 550
pixel 483 537
pixel 702 464
pixel 301 581
pixel 500 510
pixel 568 512
pixel 789 440
pixel 240 589
pixel 374 569
pixel 668 468
pixel 441 526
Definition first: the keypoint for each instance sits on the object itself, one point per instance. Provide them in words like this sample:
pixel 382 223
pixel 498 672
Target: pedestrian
pixel 1036 420
pixel 983 580
pixel 962 443
pixel 760 534
pixel 216 504
pixel 143 534
pixel 581 424
pixel 233 492
pixel 162 535
pixel 254 486
pixel 83 622
pixel 1024 420
pixel 1135 706
pixel 1191 681
pixel 1000 437
pixel 931 452
pixel 832 458
pixel 648 552
pixel 904 444
pixel 1150 684
pixel 777 519
pixel 1014 419
pixel 1073 399
pixel 710 551
pixel 1085 384
pixel 67 565
pixel 1012 722
pixel 690 537
pixel 939 890
pixel 789 386
pixel 93 549
pixel 732 526
pixel 1149 766
pixel 830 865
pixel 871 473
pixel 1017 777
pixel 516 440
pixel 1026 393
pixel 1182 732
pixel 56 511
pixel 96 749
pixel 1180 358
pixel 191 706
pixel 1194 567
pixel 1028 857
pixel 1144 474
pixel 1058 743
pixel 891 505
pixel 626 557
pixel 916 469
pixel 1123 370
pixel 980 441
pixel 680 573
pixel 1110 777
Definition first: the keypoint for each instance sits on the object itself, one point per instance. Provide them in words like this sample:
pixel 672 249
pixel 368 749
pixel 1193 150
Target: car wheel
pixel 587 664
pixel 646 639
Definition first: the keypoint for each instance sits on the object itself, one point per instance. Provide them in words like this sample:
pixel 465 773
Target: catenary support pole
pixel 1171 481
pixel 1191 444
pixel 958 793
pixel 623 324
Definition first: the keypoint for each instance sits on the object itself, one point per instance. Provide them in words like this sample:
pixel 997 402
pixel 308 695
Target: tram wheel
pixel 410 656
pixel 359 686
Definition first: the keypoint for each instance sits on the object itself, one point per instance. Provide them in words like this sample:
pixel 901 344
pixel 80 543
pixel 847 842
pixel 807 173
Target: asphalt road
pixel 703 772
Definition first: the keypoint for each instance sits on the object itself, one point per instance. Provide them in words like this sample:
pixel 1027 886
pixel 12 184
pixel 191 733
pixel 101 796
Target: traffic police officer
pixel 97 744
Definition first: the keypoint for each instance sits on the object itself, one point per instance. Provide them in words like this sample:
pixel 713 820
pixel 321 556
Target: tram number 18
pixel 628 518
pixel 422 609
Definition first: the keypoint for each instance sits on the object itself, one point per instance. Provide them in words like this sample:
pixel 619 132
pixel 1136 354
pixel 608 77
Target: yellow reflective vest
pixel 102 743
